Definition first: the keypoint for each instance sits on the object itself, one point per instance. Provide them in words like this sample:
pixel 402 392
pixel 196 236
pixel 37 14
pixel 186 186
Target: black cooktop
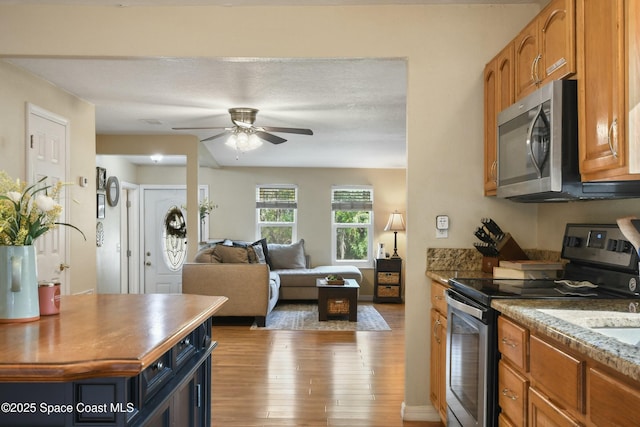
pixel 484 290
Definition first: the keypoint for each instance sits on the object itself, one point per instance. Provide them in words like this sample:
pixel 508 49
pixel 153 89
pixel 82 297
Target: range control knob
pixel 572 241
pixel 623 246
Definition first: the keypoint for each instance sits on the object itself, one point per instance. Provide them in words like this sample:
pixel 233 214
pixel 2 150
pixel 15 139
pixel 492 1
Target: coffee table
pixel 337 300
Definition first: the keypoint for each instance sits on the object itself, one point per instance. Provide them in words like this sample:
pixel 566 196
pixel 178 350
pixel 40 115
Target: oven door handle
pixel 471 311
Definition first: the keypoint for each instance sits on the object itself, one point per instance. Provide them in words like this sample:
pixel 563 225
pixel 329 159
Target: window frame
pixel 293 205
pixel 335 226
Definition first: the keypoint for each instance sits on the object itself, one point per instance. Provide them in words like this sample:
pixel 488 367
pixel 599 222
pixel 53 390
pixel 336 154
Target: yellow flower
pixel 27 213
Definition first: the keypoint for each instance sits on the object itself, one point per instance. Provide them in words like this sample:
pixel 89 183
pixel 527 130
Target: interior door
pixel 165 239
pixel 47 157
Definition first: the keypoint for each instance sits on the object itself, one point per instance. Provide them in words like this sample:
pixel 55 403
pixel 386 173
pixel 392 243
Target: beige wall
pixel 16 90
pixel 446 48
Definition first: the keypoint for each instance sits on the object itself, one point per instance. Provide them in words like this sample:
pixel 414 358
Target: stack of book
pixel 527 269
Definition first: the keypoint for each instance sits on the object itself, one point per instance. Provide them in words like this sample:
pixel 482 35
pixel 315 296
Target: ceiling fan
pixel 243 119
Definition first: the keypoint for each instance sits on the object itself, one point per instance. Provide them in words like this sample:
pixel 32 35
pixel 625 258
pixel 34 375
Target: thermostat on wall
pixel 442 226
pixel 442 222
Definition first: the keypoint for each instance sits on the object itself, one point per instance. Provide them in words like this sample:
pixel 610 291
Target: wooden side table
pixel 388 280
pixel 337 300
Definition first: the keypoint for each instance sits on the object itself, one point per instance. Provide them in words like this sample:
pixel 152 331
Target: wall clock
pixel 113 191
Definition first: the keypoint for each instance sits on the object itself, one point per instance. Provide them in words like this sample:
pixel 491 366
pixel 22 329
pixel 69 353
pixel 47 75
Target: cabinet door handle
pixel 494 171
pixel 613 129
pixel 507 341
pixel 534 69
pixel 435 330
pixel 439 297
pixel 509 394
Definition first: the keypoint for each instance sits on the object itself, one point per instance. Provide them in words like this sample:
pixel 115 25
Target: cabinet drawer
pixel 389 264
pixel 152 378
pixel 512 397
pixel 184 350
pixel 558 374
pixel 388 291
pixel 542 412
pixel 438 297
pixel 512 343
pixel 611 401
pixel 388 278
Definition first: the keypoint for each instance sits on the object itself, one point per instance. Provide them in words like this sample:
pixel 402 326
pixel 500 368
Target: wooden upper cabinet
pixel 498 95
pixel 602 90
pixel 545 49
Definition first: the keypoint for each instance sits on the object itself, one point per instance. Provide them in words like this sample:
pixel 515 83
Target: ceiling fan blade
pixel 270 138
pixel 287 130
pixel 204 128
pixel 214 137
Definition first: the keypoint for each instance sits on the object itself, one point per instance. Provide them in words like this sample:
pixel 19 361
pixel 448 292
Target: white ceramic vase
pixel 18 284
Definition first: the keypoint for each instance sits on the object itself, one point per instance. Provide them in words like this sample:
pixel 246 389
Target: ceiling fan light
pixel 232 141
pixel 254 141
pixel 242 141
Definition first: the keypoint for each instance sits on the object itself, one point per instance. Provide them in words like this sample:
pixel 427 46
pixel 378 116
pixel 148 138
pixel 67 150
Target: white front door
pixel 165 240
pixel 47 157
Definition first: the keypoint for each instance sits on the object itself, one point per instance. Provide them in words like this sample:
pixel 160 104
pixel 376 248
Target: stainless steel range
pixel 602 264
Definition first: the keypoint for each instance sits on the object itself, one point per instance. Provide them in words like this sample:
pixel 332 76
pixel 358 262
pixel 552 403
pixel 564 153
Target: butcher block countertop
pixel 97 336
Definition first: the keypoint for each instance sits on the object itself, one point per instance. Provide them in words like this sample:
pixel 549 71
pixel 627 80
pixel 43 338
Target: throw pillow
pixel 207 255
pixel 287 256
pixel 231 254
pixel 262 253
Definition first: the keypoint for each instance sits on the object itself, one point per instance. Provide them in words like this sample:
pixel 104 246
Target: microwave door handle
pixel 536 163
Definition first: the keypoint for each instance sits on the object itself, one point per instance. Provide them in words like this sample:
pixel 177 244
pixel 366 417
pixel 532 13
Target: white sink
pixel 626 335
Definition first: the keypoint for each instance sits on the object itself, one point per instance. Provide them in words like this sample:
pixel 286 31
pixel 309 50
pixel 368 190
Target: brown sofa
pixel 255 276
pixel 251 288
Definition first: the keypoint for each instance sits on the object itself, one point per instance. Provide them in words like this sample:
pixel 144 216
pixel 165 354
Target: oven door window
pixel 466 370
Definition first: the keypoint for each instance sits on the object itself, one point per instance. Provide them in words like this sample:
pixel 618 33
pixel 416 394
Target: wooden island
pixel 111 360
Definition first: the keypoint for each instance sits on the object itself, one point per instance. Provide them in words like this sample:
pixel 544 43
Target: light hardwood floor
pixel 310 378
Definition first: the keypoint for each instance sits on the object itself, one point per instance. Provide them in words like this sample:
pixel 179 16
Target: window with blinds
pixel 352 224
pixel 276 213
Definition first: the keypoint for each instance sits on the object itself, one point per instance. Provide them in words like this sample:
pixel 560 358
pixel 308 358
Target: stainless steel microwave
pixel 538 150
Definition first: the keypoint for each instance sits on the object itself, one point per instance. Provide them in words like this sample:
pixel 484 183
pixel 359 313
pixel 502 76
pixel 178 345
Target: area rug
pixel 304 317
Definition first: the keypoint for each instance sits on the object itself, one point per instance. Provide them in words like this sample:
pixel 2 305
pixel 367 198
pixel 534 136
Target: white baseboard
pixel 419 413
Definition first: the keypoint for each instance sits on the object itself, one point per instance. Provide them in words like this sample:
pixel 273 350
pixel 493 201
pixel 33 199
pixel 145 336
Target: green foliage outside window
pixel 276 213
pixel 276 234
pixel 352 243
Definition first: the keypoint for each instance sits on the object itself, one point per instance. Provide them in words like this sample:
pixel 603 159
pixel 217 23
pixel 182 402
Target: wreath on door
pixel 174 223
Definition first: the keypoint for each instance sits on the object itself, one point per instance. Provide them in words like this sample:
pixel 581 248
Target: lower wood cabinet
pixel 438 371
pixel 610 401
pixel 561 387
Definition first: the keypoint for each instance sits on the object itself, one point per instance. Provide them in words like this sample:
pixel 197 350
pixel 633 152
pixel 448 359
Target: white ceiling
pixel 356 107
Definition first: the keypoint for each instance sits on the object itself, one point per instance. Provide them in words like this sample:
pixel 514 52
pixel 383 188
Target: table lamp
pixel 395 224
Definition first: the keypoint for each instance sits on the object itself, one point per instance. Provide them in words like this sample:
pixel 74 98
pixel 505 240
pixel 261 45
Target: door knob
pixel 64 266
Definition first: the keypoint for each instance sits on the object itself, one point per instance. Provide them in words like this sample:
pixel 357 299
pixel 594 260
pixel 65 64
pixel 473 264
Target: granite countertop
pixel 570 322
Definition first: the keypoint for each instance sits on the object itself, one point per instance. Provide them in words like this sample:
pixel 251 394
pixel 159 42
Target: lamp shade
pixel 395 223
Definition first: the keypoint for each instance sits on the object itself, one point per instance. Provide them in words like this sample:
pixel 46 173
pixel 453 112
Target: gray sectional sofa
pixel 255 276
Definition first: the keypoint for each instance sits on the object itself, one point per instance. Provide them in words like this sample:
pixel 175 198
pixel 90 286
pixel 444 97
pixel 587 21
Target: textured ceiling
pixel 356 107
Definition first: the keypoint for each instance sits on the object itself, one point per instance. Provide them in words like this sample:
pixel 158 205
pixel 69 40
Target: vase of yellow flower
pixel 26 213
pixel 18 284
